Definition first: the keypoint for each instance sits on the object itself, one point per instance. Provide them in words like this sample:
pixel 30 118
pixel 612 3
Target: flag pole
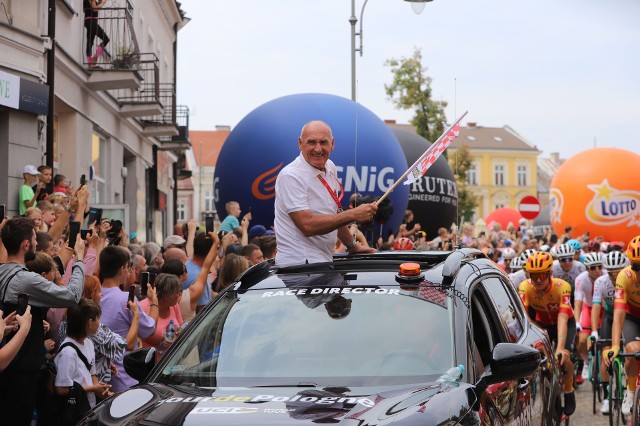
pixel 404 175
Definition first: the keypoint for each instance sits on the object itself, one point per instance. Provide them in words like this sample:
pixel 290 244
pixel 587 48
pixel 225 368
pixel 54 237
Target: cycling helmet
pixel 403 244
pixel 592 259
pixel 526 255
pixel 539 262
pixel 545 247
pixel 633 250
pixel 565 250
pixel 508 253
pixel 615 260
pixel 553 251
pixel 516 264
pixel 577 245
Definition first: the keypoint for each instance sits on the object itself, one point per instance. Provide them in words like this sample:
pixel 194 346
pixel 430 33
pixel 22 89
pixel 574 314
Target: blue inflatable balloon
pixel 368 156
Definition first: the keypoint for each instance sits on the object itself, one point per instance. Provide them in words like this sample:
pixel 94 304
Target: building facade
pixel 114 115
pixel 196 197
pixel 504 168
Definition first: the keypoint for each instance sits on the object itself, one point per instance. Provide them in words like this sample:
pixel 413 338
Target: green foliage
pixel 467 201
pixel 411 89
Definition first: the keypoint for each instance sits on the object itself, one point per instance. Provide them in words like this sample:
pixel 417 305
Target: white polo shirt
pixel 298 188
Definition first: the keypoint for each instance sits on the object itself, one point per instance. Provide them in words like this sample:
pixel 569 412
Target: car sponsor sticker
pixel 224 410
pixel 332 290
pixel 327 400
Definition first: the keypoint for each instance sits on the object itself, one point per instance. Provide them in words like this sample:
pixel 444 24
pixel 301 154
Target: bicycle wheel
pixel 635 419
pixel 595 383
pixel 615 401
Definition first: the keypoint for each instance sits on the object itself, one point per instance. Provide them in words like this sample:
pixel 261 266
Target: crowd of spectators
pixel 80 314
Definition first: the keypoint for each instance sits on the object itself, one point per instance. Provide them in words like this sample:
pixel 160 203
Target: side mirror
pixel 510 361
pixel 139 363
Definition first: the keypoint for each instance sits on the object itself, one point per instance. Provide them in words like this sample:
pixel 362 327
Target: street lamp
pixel 416 5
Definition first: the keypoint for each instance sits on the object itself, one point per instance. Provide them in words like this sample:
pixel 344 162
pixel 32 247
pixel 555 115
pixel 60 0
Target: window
pixel 498 175
pixel 208 201
pixel 182 209
pixel 472 175
pixel 522 175
pixel 99 163
pixel 505 306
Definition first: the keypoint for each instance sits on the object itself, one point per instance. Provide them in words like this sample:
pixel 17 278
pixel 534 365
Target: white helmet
pixel 615 260
pixel 508 253
pixel 526 255
pixel 516 264
pixel 592 259
pixel 545 247
pixel 553 251
pixel 565 250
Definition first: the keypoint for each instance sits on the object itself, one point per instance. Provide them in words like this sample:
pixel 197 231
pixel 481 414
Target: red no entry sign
pixel 529 207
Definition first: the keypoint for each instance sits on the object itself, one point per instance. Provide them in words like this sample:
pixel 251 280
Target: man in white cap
pixel 27 198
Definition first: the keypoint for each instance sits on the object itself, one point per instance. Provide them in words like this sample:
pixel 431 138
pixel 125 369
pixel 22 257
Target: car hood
pixel 155 404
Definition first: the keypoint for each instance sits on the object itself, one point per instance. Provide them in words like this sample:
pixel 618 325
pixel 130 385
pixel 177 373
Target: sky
pixel 564 74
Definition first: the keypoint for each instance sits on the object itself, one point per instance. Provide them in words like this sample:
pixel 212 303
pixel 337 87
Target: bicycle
pixel 635 411
pixel 594 369
pixel 564 418
pixel 617 387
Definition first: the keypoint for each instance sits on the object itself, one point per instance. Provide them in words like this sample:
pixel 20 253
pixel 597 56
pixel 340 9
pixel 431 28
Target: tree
pixel 467 201
pixel 411 89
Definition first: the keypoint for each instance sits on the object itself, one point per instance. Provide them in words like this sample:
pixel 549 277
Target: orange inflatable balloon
pixel 598 191
pixel 503 216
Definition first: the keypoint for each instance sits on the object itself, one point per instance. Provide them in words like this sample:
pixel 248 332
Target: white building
pixel 115 120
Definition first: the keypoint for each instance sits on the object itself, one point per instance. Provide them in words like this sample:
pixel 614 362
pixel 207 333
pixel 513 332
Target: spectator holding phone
pixel 169 291
pixel 115 267
pixel 45 177
pixel 22 325
pixel 18 383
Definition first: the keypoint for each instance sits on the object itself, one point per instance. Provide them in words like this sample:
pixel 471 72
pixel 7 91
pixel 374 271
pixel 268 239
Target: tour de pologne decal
pixel 610 206
pixel 325 400
pixel 556 204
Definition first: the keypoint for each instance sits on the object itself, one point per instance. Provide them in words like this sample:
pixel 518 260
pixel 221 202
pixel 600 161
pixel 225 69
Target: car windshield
pixel 351 334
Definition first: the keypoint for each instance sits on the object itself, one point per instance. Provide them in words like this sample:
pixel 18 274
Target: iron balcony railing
pixel 149 91
pixel 109 41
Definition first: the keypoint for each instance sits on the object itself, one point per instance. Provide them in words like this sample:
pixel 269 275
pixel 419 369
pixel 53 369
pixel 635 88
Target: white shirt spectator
pixel 70 367
pixel 298 188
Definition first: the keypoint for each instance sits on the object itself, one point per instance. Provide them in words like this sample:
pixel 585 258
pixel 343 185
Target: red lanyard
pixel 336 198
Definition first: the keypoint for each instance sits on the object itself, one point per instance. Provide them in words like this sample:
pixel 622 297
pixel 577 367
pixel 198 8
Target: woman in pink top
pixel 169 291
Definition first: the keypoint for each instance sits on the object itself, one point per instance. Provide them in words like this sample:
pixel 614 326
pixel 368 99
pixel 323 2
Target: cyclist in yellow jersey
pixel 547 301
pixel 626 319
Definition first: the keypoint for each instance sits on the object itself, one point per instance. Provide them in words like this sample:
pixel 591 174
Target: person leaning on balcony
pixel 91 8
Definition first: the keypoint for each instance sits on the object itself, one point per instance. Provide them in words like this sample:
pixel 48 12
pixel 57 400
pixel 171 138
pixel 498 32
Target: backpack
pixel 70 408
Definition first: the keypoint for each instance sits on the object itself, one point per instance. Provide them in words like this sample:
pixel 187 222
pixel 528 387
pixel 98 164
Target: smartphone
pixel 23 301
pixel 84 233
pixel 132 293
pixel 74 229
pixel 116 227
pixel 95 216
pixel 144 281
pixel 208 224
pixel 83 180
pixel 2 212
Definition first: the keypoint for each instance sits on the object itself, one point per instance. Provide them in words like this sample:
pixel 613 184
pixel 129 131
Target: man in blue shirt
pixel 201 247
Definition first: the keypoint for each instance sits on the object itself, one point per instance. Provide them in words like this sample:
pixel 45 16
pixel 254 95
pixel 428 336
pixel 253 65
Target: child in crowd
pixel 27 198
pixel 35 214
pixel 59 185
pixel 75 363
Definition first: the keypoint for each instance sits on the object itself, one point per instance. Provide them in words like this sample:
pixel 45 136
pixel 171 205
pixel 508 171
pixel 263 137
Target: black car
pixel 362 340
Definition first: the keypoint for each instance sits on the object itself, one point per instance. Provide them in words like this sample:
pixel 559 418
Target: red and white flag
pixel 430 156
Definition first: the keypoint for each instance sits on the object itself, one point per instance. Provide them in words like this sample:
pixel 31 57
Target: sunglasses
pixel 593 268
pixel 539 276
pixel 566 259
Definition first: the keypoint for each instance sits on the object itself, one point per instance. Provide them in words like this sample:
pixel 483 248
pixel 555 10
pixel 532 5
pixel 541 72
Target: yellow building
pixel 504 168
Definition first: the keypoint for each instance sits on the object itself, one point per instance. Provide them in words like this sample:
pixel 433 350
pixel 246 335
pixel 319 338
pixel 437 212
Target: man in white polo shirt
pixel 308 207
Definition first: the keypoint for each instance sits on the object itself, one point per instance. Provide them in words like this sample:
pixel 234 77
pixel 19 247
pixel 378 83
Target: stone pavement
pixel 584 408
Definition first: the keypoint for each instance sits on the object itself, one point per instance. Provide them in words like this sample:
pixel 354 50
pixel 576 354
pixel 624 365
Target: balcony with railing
pixel 145 99
pixel 163 124
pixel 181 141
pixel 112 55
